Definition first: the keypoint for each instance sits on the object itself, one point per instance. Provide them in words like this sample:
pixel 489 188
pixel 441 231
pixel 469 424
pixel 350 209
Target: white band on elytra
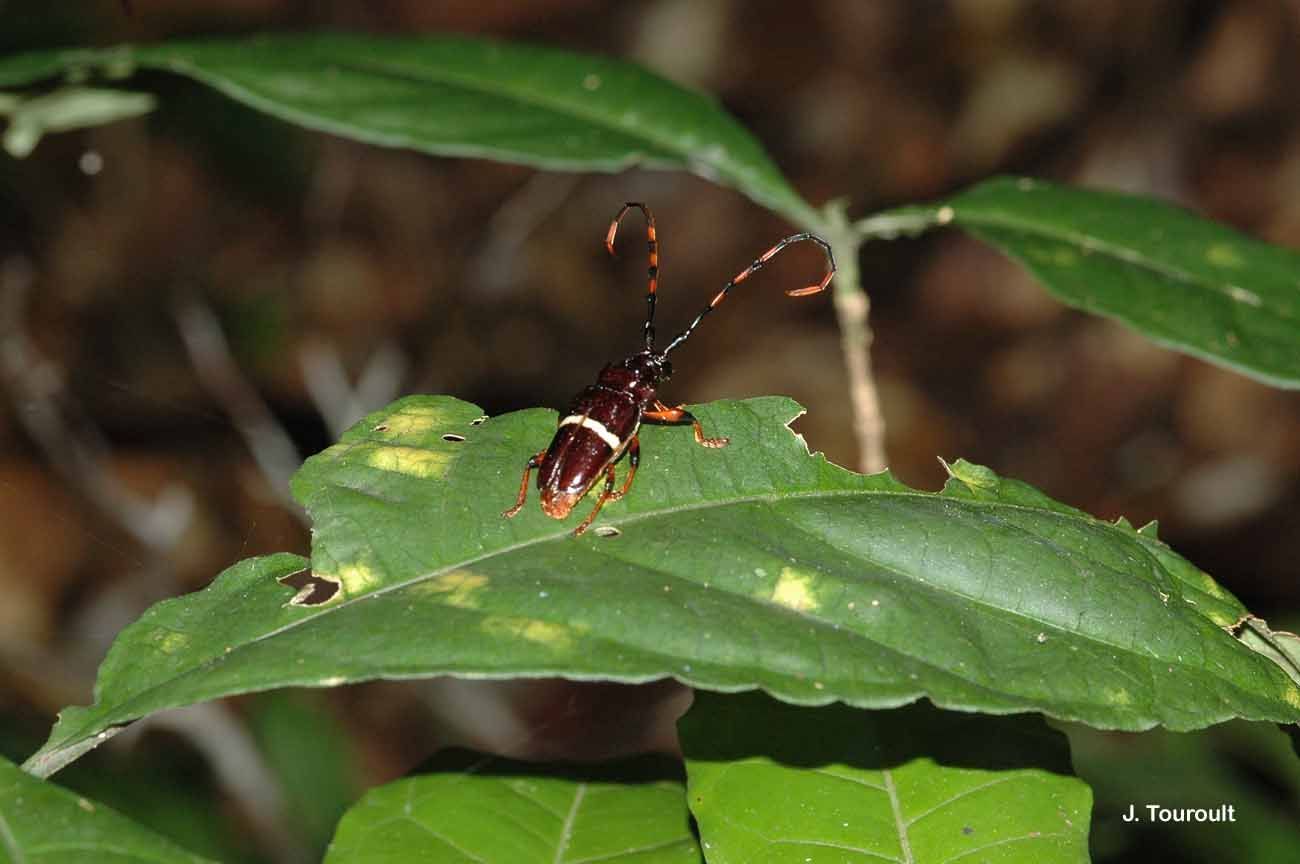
pixel 595 426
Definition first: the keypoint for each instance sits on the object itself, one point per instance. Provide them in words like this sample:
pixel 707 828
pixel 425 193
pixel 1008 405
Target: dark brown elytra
pixel 602 421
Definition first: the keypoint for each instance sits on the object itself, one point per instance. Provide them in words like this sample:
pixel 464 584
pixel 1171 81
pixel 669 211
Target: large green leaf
pixel 462 97
pixel 41 823
pixel 769 782
pixel 495 811
pixel 1179 279
pixel 756 565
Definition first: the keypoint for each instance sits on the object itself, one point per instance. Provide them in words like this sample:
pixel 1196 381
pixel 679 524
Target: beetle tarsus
pixel 605 494
pixel 534 462
pixel 664 414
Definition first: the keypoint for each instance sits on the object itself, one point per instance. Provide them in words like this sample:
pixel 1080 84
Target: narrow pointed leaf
pixel 41 823
pixel 769 782
pixel 462 97
pixel 495 811
pixel 754 565
pixel 1181 280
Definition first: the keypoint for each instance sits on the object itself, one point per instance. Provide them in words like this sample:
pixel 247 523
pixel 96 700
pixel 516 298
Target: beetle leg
pixel 600 501
pixel 664 414
pixel 534 462
pixel 633 459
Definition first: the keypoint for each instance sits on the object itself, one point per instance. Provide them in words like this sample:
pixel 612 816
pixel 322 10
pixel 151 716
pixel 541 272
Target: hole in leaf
pixel 606 531
pixel 454 438
pixel 478 421
pixel 313 590
pixel 382 427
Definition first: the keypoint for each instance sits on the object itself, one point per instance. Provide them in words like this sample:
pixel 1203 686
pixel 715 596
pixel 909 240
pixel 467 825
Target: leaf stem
pixel 852 309
pixel 903 221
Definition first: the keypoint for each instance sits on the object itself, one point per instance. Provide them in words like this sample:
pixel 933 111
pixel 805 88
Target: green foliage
pixel 41 823
pixel 775 782
pixel 1178 279
pixel 756 566
pixel 461 97
pixel 471 808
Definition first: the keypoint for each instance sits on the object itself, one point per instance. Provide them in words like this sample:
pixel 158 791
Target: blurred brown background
pixel 193 301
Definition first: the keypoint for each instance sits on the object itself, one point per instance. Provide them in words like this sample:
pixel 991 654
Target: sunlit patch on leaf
pixel 411 421
pixel 1117 696
pixel 313 588
pixel 1223 255
pixel 411 461
pixel 459 588
pixel 170 641
pixel 794 590
pixel 550 634
pixel 358 579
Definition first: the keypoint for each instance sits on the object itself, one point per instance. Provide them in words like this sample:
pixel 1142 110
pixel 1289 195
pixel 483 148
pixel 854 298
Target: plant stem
pixel 852 308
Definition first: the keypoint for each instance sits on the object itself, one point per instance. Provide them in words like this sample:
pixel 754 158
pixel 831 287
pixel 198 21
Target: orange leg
pixel 664 414
pixel 523 485
pixel 605 495
pixel 633 459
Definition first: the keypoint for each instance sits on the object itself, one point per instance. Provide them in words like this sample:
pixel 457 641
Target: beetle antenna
pixel 753 268
pixel 652 272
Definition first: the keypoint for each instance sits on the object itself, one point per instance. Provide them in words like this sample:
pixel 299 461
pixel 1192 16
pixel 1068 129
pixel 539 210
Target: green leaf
pixel 464 97
pixel 769 782
pixel 754 565
pixel 1180 280
pixel 495 811
pixel 41 823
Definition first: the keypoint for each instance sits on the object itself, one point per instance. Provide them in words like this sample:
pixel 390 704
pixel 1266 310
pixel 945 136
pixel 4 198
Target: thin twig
pixel 336 399
pixel 498 258
pixel 270 444
pixel 36 389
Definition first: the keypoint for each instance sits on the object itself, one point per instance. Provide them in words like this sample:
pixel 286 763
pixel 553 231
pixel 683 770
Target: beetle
pixel 602 421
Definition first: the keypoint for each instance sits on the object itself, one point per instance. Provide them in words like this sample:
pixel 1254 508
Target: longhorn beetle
pixel 603 420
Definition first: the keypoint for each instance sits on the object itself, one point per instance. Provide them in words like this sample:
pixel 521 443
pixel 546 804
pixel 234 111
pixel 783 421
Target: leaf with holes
pixel 495 811
pixel 1181 280
pixel 460 97
pixel 774 782
pixel 754 565
pixel 41 822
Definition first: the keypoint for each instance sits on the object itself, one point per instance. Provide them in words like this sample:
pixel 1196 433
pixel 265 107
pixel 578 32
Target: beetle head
pixel 650 367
